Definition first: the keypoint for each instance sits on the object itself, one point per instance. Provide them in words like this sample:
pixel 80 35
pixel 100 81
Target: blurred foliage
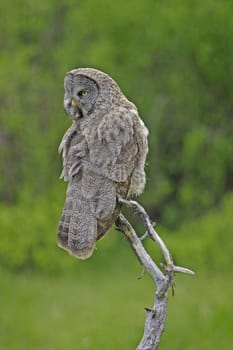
pixel 206 240
pixel 172 58
pixel 88 311
pixel 28 240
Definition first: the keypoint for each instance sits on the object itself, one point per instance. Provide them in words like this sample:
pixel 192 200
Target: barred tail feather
pixel 77 231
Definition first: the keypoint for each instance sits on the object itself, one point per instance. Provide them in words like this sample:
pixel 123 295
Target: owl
pixel 104 153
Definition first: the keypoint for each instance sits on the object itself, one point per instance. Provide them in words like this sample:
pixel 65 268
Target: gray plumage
pixel 104 153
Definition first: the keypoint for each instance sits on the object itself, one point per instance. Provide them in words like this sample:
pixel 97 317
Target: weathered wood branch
pixel 156 316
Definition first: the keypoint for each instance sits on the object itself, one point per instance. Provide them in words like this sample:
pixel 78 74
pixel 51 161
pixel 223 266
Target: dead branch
pixel 155 316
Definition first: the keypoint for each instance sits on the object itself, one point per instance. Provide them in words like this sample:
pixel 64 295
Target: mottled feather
pixel 104 154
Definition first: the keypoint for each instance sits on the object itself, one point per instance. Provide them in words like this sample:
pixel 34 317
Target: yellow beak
pixel 74 103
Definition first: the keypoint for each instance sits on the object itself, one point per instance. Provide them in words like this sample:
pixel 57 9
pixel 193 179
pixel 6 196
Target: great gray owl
pixel 104 154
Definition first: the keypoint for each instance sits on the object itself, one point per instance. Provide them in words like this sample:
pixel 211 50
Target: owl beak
pixel 74 103
pixel 75 112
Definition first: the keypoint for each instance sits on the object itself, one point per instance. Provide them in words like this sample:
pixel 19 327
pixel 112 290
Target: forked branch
pixel 156 316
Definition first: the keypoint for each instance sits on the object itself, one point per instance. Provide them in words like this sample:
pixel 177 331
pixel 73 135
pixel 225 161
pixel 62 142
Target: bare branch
pixel 124 226
pixel 150 230
pixel 156 316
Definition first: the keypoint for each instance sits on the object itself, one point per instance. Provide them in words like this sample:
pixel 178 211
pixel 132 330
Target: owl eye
pixel 82 93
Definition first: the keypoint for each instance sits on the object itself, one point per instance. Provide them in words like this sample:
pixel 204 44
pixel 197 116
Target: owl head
pixel 88 90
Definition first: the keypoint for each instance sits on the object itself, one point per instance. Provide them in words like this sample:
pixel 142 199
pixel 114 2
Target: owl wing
pixel 116 145
pixel 114 151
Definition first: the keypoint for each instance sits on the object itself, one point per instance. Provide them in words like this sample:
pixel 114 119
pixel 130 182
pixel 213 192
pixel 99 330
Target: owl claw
pixel 74 170
pixel 61 147
pixel 62 174
pixel 79 151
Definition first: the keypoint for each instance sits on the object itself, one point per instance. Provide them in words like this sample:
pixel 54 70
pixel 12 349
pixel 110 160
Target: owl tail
pixel 77 231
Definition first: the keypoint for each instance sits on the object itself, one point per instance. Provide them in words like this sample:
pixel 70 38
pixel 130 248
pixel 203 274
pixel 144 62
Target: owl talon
pixel 61 147
pixel 62 174
pixel 79 151
pixel 74 170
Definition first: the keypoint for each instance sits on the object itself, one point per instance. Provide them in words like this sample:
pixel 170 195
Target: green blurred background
pixel 173 59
